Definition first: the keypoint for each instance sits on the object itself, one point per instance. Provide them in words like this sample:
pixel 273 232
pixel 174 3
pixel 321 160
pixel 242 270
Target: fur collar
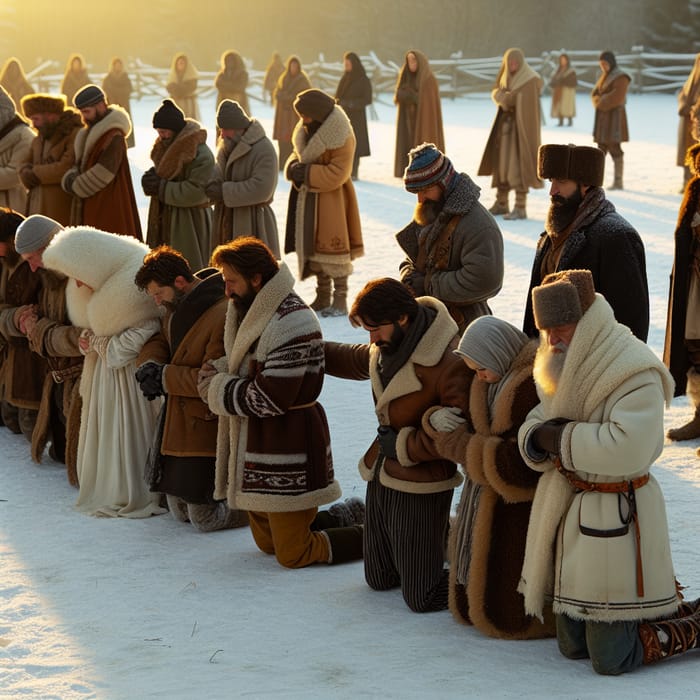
pixel 332 134
pixel 170 159
pixel 67 123
pixel 464 195
pixel 14 135
pixel 85 140
pixel 254 133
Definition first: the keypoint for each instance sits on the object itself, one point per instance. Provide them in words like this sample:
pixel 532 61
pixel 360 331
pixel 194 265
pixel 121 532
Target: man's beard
pixel 549 366
pixel 562 211
pixel 230 143
pixel 389 347
pixel 427 211
pixel 172 305
pixel 244 302
pixel 92 122
pixel 47 130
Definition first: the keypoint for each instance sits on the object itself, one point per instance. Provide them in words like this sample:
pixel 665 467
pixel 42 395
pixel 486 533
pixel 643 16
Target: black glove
pixel 296 172
pixel 150 379
pixel 68 179
pixel 150 182
pixel 415 281
pixel 29 178
pixel 214 190
pixel 546 437
pixel 387 440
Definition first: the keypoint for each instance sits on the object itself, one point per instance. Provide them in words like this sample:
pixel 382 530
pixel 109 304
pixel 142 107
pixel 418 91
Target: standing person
pixel 323 219
pixel 245 180
pixel 510 156
pixel 75 77
pixel 273 448
pixel 116 423
pixel 291 82
pixel 688 95
pixel 412 367
pixel 487 538
pixel 179 214
pixel 191 333
pixel 419 113
pixel 583 231
pixel 16 138
pixel 598 537
pixel 51 155
pixel 13 79
pixel 682 343
pixel 52 336
pixel 453 246
pixel 274 69
pixel 563 84
pixel 231 81
pixel 182 85
pixel 609 96
pixel 100 180
pixel 354 94
pixel 118 88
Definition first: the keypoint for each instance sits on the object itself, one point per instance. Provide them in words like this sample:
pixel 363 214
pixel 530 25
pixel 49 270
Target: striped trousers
pixel 404 544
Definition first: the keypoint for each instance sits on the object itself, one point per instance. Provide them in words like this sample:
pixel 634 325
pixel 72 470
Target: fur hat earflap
pixel 582 164
pixel 562 298
pixel 40 103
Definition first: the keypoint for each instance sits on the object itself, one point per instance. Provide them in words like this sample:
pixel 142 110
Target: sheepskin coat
pixel 287 88
pixel 612 389
pixel 16 138
pixel 609 97
pixel 273 445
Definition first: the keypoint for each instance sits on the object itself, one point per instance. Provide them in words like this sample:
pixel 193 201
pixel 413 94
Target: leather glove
pixel 447 419
pixel 29 177
pixel 546 437
pixel 387 441
pixel 215 191
pixel 150 378
pixel 68 179
pixel 415 281
pixel 296 172
pixel 150 182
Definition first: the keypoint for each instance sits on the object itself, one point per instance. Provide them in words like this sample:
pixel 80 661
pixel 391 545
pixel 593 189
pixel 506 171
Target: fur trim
pixel 116 118
pixel 332 134
pixel 42 102
pixel 170 159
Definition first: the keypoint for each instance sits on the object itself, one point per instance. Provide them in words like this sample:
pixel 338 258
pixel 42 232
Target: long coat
pixel 354 95
pixel 612 389
pixel 609 97
pixel 182 87
pixel 249 176
pixel 232 80
pixel 287 88
pixel 15 144
pixel 563 84
pixel 323 218
pixel 50 159
pixel 273 446
pixel 180 216
pixel 419 112
pixel 118 88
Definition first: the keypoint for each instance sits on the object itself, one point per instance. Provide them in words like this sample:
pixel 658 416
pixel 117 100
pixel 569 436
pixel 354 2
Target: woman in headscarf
pixel 273 70
pixel 563 84
pixel 75 77
pixel 182 85
pixel 487 538
pixel 687 97
pixel 353 94
pixel 232 80
pixel 117 86
pixel 293 81
pixel 419 115
pixel 13 79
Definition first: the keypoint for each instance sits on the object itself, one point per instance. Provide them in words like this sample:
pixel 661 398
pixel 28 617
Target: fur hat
pixel 169 116
pixel 582 164
pixel 428 166
pixel 8 110
pixel 39 103
pixel 314 103
pixel 89 96
pixel 562 298
pixel 35 232
pixel 231 115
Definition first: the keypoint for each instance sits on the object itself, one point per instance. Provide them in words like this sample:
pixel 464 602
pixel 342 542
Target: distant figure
pixel 290 83
pixel 182 85
pixel 274 69
pixel 232 80
pixel 419 114
pixel 563 84
pixel 354 94
pixel 610 127
pixel 118 88
pixel 75 77
pixel 16 138
pixel 13 79
pixel 687 97
pixel 510 156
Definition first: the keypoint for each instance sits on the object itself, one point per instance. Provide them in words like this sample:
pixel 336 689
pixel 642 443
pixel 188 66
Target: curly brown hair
pixel 249 256
pixel 162 265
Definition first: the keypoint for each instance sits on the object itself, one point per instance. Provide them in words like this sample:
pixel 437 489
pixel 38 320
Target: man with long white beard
pixel 597 538
pixel 583 231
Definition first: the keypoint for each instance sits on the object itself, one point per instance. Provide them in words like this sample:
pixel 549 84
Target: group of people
pixel 169 377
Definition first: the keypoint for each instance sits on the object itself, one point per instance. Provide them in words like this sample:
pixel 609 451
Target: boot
pixel 217 516
pixel 339 307
pixel 500 206
pixel 690 430
pixel 571 122
pixel 617 179
pixel 351 512
pixel 561 121
pixel 519 211
pixel 177 508
pixel 323 292
pixel 670 637
pixel 345 543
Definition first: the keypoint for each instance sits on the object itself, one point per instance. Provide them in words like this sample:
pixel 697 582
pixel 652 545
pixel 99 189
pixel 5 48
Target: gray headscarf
pixel 492 343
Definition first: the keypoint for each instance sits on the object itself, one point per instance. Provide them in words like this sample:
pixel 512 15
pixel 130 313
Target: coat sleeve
pixel 190 191
pixel 260 187
pixel 101 174
pixel 613 98
pixel 52 173
pixel 124 347
pixel 326 177
pixel 346 360
pixel 9 172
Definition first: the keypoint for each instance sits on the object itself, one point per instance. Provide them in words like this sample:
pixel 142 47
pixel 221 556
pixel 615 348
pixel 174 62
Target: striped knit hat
pixel 428 166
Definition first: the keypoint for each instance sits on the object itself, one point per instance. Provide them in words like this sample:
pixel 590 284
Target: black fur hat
pixel 582 164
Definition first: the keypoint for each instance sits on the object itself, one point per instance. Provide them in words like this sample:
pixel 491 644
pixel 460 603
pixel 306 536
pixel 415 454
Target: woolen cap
pixel 428 166
pixel 582 164
pixel 41 103
pixel 562 298
pixel 88 96
pixel 231 115
pixel 314 103
pixel 169 116
pixel 35 232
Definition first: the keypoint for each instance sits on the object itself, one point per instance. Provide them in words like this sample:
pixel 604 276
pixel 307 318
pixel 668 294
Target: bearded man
pixel 597 538
pixel 453 246
pixel 583 231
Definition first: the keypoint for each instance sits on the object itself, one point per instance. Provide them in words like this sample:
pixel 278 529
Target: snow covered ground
pixel 122 609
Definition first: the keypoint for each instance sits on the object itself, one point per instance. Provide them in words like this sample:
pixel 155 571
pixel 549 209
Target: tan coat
pixel 609 97
pixel 15 144
pixel 285 92
pixel 688 95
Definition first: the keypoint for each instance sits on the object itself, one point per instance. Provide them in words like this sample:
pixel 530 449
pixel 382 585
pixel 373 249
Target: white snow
pixel 122 609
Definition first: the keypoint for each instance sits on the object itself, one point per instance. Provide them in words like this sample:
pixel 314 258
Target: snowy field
pixel 130 609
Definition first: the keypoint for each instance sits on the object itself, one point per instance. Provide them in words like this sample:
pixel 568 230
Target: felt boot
pixel 663 638
pixel 345 543
pixel 500 206
pixel 217 516
pixel 617 177
pixel 323 292
pixel 339 307
pixel 519 211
